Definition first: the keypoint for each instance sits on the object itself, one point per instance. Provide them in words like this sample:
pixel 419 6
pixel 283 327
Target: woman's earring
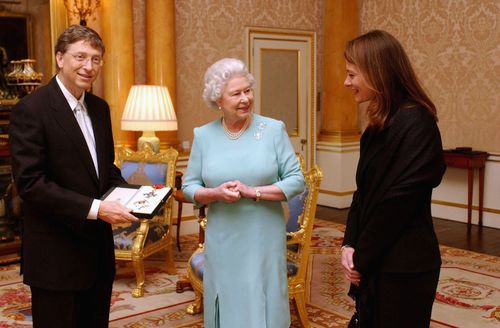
pixel 220 108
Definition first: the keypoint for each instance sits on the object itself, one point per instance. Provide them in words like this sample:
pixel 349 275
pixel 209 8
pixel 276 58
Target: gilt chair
pixel 134 242
pixel 302 210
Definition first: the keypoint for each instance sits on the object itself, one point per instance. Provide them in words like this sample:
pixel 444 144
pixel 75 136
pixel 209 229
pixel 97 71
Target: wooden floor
pixel 449 233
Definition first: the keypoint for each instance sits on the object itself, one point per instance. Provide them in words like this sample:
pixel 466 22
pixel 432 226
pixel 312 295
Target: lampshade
pixel 149 108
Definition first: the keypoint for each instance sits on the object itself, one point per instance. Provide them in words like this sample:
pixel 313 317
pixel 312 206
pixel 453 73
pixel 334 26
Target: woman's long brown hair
pixel 386 67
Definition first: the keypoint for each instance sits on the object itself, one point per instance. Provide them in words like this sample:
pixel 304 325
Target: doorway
pixel 283 63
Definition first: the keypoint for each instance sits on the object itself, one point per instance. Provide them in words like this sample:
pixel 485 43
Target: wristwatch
pixel 257 195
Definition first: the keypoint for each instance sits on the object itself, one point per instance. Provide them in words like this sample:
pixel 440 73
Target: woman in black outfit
pixel 390 252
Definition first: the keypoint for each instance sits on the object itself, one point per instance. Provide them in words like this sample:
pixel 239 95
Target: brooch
pixel 260 128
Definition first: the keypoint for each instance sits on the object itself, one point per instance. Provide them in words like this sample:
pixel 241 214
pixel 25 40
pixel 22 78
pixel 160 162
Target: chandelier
pixel 82 9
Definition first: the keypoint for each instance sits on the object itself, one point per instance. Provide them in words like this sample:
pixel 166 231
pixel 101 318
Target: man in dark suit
pixel 62 161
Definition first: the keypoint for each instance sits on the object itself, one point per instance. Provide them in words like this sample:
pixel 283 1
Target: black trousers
pixel 404 299
pixel 72 309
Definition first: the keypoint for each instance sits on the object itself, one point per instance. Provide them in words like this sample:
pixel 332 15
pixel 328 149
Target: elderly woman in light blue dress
pixel 242 165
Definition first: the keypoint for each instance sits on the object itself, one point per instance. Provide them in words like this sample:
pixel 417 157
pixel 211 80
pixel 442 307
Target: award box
pixel 144 201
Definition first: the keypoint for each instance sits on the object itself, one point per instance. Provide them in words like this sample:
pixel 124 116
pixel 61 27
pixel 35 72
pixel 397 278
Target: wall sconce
pixel 149 108
pixel 82 9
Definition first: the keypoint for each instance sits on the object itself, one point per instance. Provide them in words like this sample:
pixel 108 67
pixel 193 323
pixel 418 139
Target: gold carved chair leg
pixel 138 258
pixel 197 306
pixel 300 306
pixel 183 284
pixel 140 278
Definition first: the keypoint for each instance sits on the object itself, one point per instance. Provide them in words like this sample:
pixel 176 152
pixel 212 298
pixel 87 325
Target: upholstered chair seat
pixel 124 236
pixel 197 264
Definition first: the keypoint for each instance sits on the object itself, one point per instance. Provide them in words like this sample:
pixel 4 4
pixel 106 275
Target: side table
pixel 469 160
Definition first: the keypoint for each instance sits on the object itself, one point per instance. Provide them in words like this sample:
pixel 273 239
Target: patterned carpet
pixel 468 293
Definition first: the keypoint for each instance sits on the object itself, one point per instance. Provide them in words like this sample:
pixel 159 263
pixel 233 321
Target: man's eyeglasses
pixel 84 58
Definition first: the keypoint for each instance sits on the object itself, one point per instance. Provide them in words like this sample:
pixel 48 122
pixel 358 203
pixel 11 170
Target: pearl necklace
pixel 235 135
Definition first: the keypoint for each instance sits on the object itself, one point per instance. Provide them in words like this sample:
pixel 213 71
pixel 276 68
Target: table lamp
pixel 149 109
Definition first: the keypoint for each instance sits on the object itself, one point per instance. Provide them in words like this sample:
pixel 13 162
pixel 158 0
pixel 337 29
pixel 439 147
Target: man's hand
pixel 347 262
pixel 115 213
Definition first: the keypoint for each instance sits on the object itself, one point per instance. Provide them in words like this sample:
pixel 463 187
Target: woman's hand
pixel 225 192
pixel 228 192
pixel 349 270
pixel 269 192
pixel 244 190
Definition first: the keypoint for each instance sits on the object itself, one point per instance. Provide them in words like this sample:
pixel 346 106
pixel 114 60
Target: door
pixel 283 64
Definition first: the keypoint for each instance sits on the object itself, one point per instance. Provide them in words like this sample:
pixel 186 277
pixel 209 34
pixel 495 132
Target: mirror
pixel 41 33
pixel 15 44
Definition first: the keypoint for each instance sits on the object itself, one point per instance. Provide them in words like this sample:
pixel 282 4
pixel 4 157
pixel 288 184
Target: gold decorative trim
pixel 336 193
pixel 341 151
pixel 459 205
pixel 340 136
pixel 338 147
pixel 8 102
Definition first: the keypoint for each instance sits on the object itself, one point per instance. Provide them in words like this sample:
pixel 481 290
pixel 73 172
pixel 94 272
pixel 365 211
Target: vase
pixel 24 77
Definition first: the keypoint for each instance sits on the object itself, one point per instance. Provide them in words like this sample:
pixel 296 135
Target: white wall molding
pixel 338 161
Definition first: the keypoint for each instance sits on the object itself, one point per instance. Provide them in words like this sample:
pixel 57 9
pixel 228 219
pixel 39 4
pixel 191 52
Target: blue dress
pixel 245 279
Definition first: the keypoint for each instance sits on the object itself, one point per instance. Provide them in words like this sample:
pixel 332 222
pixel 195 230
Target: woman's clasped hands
pixel 232 191
pixel 228 192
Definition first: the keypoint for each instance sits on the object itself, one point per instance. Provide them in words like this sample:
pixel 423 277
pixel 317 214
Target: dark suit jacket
pixel 57 182
pixel 389 223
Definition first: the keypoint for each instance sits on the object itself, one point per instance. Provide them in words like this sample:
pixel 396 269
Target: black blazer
pixel 390 223
pixel 57 182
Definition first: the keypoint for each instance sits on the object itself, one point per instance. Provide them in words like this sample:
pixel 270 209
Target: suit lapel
pixel 99 136
pixel 64 115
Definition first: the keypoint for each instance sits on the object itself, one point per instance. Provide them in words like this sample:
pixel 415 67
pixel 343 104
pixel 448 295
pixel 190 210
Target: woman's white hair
pixel 217 76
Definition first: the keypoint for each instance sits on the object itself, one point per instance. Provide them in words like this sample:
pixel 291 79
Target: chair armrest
pixel 296 237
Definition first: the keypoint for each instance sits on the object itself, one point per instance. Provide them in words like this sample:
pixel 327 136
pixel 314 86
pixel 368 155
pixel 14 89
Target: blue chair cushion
pixel 143 173
pixel 295 207
pixel 197 264
pixel 124 236
pixel 291 268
